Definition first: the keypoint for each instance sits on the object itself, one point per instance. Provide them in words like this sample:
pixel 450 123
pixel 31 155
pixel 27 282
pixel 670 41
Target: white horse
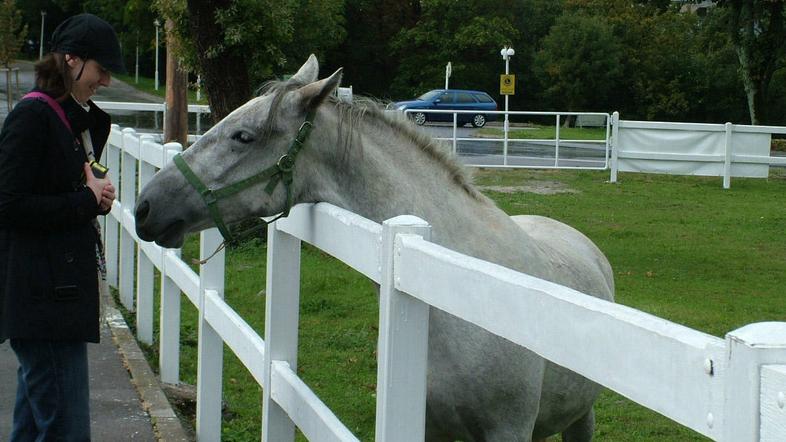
pixel 480 387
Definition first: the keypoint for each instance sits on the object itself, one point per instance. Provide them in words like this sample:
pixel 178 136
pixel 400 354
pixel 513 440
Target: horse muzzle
pixel 166 231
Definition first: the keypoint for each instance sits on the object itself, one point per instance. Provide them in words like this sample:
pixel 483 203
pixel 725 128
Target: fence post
pixel 210 351
pixel 144 267
pixel 281 325
pixel 455 132
pixel 111 226
pixel 505 129
pixel 773 403
pixel 127 243
pixel 403 345
pixel 615 145
pixel 169 323
pixel 727 157
pixel 556 143
pixel 748 350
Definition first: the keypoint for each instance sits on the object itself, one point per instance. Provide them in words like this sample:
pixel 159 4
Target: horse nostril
pixel 141 212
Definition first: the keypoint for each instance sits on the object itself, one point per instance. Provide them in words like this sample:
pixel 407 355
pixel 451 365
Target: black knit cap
pixel 89 37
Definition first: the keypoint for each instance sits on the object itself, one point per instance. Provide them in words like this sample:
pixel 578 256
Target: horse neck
pixel 384 173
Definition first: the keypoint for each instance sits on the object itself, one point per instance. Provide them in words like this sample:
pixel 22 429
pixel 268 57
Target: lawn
pixel 148 85
pixel 682 248
pixel 537 132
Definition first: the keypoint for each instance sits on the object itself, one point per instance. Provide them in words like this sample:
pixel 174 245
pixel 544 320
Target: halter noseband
pixel 282 171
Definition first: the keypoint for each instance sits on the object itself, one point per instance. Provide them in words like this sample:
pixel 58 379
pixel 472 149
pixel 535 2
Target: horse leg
pixel 581 430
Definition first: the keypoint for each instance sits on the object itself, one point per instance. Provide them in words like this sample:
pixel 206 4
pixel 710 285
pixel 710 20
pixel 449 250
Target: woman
pixel 49 238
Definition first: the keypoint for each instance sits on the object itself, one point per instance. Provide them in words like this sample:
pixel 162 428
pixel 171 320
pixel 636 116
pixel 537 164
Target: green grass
pixel 682 248
pixel 546 133
pixel 148 85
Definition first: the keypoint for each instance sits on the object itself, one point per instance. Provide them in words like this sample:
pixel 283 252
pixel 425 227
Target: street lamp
pixel 41 43
pixel 158 25
pixel 506 53
pixel 136 69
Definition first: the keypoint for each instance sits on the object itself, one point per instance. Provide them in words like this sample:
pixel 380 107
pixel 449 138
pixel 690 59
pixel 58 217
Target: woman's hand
pixel 107 196
pixel 102 188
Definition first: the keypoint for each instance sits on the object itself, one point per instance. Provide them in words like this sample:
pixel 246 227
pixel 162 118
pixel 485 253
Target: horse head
pixel 241 168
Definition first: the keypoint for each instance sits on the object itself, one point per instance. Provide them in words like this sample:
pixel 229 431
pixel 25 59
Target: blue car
pixel 450 99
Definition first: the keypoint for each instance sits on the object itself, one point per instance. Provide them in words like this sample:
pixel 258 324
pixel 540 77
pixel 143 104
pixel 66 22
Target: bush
pixel 779 145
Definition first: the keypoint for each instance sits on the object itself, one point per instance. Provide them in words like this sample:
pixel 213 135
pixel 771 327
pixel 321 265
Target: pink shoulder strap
pixel 52 103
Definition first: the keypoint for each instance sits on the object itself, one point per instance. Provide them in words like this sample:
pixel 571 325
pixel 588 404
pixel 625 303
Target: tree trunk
pixel 225 73
pixel 176 122
pixel 10 94
pixel 757 31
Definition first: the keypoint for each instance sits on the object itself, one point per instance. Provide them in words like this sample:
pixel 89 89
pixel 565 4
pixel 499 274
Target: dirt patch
pixel 539 187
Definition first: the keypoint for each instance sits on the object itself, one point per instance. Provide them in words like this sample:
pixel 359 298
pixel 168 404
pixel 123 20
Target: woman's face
pixel 92 77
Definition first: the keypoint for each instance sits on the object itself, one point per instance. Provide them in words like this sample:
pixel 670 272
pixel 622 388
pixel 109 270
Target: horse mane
pixel 368 110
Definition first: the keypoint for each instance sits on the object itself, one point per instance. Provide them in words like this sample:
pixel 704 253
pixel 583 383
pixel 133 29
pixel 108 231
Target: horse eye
pixel 242 137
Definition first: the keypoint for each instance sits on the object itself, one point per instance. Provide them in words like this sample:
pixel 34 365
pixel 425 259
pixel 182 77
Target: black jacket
pixel 48 273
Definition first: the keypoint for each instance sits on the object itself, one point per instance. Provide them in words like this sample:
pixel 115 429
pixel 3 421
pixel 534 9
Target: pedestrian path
pixel 126 401
pixel 118 91
pixel 117 413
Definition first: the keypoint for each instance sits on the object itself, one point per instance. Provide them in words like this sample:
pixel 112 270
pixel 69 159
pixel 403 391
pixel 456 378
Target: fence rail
pixel 513 150
pixel 728 389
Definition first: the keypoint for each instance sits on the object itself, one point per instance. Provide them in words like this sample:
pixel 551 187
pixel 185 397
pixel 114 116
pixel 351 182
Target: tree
pixel 12 36
pixel 676 66
pixel 580 63
pixel 237 44
pixel 12 32
pixel 758 32
pixel 470 35
pixel 365 53
pixel 318 27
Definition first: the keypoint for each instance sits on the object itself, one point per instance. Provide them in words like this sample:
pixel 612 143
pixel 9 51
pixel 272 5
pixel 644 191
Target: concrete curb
pixel 166 425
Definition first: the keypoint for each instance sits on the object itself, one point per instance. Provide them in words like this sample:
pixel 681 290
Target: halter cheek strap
pixel 282 172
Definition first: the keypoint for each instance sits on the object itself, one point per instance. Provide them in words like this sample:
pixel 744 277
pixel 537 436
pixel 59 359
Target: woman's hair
pixel 53 76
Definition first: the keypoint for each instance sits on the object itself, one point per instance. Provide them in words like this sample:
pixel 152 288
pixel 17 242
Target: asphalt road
pixel 473 150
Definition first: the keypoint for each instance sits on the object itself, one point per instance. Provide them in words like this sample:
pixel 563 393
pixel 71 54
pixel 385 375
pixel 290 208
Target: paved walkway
pixel 126 400
pixel 118 91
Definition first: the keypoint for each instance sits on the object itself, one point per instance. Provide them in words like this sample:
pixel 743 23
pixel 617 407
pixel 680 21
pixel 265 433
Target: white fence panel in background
pixel 722 150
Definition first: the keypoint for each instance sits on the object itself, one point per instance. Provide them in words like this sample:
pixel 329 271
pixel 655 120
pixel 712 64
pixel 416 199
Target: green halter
pixel 280 172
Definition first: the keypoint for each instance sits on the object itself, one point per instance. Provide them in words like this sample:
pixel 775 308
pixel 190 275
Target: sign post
pixel 507 88
pixel 448 71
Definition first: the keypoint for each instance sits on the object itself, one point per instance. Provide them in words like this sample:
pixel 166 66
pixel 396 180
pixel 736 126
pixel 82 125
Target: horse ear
pixel 312 95
pixel 308 72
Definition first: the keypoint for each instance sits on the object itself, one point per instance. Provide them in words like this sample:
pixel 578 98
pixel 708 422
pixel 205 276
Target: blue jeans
pixel 52 393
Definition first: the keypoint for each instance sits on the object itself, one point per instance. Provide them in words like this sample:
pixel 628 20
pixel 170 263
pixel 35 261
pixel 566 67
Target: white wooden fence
pixel 722 150
pixel 730 389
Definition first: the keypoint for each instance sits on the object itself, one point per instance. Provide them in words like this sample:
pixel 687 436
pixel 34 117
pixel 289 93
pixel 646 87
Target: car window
pixel 463 97
pixel 483 98
pixel 430 95
pixel 448 98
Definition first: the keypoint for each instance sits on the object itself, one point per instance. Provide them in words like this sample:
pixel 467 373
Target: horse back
pixel 576 262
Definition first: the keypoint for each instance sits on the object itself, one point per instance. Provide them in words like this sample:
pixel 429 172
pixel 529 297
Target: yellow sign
pixel 507 84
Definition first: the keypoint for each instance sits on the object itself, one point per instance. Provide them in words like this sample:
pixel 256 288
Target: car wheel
pixel 479 120
pixel 419 118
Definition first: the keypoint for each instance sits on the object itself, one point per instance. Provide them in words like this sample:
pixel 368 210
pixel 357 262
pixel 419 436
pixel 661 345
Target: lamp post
pixel 506 53
pixel 158 25
pixel 136 69
pixel 41 42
